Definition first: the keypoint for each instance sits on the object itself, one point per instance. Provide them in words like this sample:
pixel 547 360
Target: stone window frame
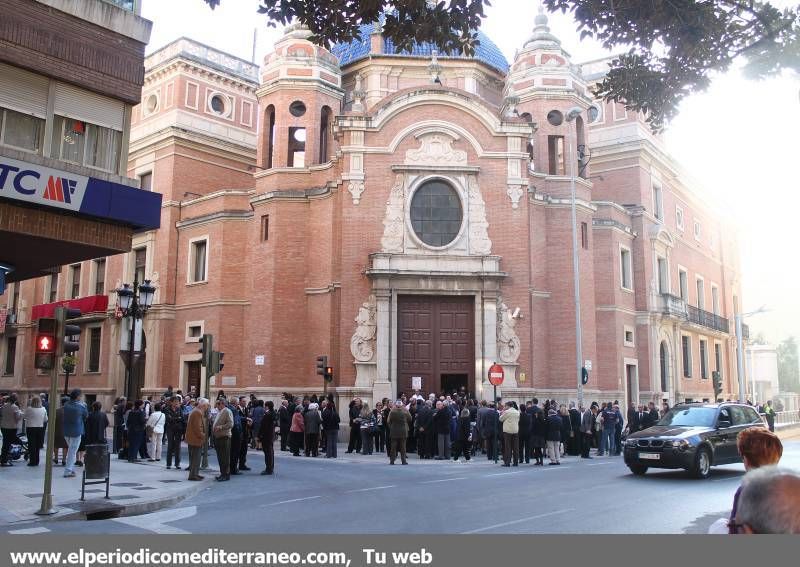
pixel 190 260
pixel 460 191
pixel 88 341
pixel 625 330
pixel 627 249
pixel 189 325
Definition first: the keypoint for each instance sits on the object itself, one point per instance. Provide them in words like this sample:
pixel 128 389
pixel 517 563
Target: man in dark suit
pixel 653 416
pixel 634 424
pixel 574 443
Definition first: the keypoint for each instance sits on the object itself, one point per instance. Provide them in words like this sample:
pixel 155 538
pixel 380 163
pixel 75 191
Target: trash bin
pixel 96 461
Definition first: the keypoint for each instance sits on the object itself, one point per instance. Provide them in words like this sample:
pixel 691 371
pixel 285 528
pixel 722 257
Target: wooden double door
pixel 436 341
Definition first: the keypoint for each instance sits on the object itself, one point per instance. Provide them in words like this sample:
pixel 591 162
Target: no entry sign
pixel 496 375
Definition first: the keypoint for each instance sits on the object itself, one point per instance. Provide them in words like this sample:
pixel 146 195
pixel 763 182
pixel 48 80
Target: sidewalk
pixel 136 488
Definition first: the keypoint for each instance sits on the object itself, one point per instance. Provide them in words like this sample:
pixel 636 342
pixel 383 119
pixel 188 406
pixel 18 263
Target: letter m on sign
pixel 54 190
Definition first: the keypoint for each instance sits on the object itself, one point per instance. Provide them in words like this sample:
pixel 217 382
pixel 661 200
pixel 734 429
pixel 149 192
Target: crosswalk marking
pixel 29 531
pixel 156 522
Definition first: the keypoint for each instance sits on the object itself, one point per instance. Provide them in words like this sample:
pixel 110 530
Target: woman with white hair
pixel 366 422
pixel 313 421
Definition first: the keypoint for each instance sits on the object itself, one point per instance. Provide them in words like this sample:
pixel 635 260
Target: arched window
pixel 663 367
pixel 324 124
pixel 270 134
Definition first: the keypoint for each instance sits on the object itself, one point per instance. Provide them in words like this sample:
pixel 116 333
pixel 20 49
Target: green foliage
pixel 788 366
pixel 68 363
pixel 450 25
pixel 673 47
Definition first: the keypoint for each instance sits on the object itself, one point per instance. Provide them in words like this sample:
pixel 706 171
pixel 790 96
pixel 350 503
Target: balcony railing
pixel 128 5
pixel 707 319
pixel 677 307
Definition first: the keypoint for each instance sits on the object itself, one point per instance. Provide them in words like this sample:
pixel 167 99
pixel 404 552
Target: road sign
pixel 259 360
pixel 522 376
pixel 416 382
pixel 496 375
pixel 587 364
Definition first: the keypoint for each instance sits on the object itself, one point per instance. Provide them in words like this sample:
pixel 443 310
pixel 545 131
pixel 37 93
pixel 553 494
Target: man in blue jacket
pixel 75 414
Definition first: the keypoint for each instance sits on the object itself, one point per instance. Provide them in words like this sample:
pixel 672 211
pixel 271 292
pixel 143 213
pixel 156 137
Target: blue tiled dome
pixel 486 51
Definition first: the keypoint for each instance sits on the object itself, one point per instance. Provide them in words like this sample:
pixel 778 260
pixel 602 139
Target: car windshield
pixel 692 417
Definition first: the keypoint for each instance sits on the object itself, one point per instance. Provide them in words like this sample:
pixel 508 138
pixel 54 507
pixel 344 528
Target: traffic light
pixel 70 331
pixel 716 377
pixel 322 365
pixel 584 376
pixel 206 345
pixel 328 374
pixel 45 355
pixel 217 362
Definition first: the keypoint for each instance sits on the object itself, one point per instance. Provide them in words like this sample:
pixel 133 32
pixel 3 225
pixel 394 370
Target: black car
pixel 694 437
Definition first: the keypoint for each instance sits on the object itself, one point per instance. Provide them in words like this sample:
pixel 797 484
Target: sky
pixel 737 140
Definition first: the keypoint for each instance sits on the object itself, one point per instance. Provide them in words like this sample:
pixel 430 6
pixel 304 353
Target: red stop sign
pixel 496 375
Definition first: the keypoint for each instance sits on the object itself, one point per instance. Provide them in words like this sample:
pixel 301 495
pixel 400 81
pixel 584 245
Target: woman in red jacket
pixel 296 431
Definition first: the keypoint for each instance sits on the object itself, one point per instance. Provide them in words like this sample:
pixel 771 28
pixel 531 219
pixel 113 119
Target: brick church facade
pixel 409 216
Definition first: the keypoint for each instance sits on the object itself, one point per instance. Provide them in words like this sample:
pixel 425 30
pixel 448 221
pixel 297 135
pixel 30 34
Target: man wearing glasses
pixel 769 503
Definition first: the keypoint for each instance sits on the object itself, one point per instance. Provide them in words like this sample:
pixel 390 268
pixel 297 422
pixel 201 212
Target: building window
pixel 197 260
pixel 15 299
pixel 75 281
pixel 21 131
pixel 264 228
pixel 679 218
pixel 100 276
pixel 270 134
pixel 701 292
pixel 86 144
pixel 93 360
pixel 436 213
pixel 585 236
pixel 683 282
pixel 715 300
pixel 556 157
pixel 703 358
pixel 658 201
pixel 52 287
pixel 718 357
pixel 686 351
pixel 626 270
pixel 297 108
pixel 663 276
pixel 139 264
pixel 220 104
pixel 297 147
pixel 697 230
pixel 324 123
pixel 629 337
pixel 11 355
pixel 194 332
pixel 146 181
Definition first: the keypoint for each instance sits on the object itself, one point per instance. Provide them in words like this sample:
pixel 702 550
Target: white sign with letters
pixel 33 183
pixel 416 382
pixel 259 360
pixel 587 364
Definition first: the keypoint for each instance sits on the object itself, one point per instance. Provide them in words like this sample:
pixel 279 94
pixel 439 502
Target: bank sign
pixel 91 196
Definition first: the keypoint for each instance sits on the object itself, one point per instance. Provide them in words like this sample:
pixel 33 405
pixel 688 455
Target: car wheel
pixel 638 470
pixel 702 463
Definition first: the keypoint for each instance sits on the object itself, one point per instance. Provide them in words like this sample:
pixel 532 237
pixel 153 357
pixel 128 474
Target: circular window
pixel 297 108
pixel 436 214
pixel 218 104
pixel 299 134
pixel 151 104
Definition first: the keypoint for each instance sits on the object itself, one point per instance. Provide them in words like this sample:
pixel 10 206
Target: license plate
pixel 650 456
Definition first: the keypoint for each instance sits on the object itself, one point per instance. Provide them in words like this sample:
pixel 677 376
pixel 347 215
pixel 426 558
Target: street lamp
pixel 555 118
pixel 134 300
pixel 740 349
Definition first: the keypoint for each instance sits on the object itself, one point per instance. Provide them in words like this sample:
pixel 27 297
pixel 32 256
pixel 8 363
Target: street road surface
pixel 364 495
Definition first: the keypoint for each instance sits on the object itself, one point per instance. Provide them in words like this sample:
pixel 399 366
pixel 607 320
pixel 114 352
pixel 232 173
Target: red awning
pixel 91 304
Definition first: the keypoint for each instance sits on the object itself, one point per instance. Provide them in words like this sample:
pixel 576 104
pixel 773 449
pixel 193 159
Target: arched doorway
pixel 663 366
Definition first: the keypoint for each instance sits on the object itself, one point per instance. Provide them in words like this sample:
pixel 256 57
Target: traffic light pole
pixel 497 426
pixel 46 508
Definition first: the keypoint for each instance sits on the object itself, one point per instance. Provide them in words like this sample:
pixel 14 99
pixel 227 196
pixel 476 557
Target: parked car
pixel 694 437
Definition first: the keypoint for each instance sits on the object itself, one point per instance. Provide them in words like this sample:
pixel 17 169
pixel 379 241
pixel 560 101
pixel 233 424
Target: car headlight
pixel 681 444
pixel 630 443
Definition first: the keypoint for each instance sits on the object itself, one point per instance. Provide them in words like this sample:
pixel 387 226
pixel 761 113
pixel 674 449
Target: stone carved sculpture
pixel 479 242
pixel 507 340
pixel 393 227
pixel 362 344
pixel 515 193
pixel 436 149
pixel 356 189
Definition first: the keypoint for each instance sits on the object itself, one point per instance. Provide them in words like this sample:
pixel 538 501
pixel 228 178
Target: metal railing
pixel 708 319
pixel 784 418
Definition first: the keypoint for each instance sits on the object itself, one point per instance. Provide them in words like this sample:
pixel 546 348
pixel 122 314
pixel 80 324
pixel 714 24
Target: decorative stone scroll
pixel 436 149
pixel 515 193
pixel 356 188
pixel 479 242
pixel 508 344
pixel 362 344
pixel 393 227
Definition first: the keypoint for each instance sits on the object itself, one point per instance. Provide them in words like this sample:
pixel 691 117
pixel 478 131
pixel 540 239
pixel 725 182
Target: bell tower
pixel 300 94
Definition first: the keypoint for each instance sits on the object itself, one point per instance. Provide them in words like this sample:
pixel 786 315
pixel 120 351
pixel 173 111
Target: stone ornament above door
pixel 436 148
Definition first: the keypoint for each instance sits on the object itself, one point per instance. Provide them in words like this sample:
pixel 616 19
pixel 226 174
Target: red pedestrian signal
pixel 45 355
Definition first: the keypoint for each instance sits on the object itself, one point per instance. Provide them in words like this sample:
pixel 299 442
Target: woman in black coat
pixel 330 425
pixel 135 425
pixel 525 420
pixel 96 425
pixel 538 436
pixel 266 436
pixel 464 428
